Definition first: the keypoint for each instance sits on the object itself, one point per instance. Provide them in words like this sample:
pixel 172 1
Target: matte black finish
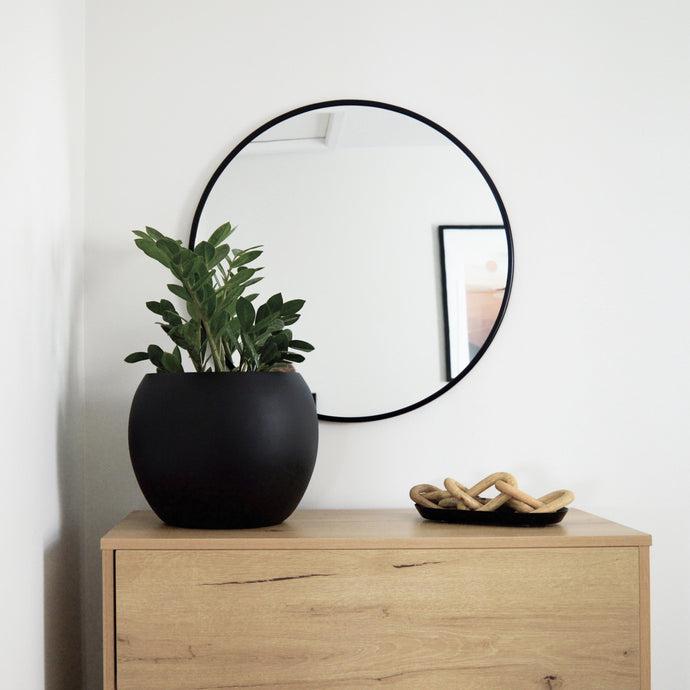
pixel 223 450
pixel 403 111
pixel 503 516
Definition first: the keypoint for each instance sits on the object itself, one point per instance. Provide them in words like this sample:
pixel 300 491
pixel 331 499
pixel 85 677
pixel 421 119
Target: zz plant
pixel 222 330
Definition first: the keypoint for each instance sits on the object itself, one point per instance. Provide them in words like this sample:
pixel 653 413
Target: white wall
pixel 579 113
pixel 41 207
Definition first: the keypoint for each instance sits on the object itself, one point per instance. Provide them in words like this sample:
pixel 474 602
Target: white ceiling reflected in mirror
pixel 349 200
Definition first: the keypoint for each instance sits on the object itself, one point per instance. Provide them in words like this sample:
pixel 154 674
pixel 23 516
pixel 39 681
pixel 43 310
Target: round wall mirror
pixel 393 233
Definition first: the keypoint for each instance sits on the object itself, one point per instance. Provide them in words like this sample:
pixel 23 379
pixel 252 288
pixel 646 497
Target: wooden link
pixel 460 492
pixel 519 500
pixel 459 497
pixel 555 501
pixel 418 494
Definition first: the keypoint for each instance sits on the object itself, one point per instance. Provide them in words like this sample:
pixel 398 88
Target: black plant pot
pixel 223 451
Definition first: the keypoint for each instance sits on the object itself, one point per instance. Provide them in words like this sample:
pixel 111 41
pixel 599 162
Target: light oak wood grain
pixel 645 619
pixel 358 529
pixel 405 618
pixel 364 598
pixel 108 569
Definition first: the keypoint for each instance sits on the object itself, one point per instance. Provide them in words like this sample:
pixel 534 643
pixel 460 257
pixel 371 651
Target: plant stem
pixel 218 362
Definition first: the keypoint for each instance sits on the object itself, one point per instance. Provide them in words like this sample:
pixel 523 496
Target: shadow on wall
pixel 62 613
pixel 62 557
pixel 112 492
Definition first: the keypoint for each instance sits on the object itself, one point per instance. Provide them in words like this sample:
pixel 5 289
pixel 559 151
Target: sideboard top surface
pixel 371 529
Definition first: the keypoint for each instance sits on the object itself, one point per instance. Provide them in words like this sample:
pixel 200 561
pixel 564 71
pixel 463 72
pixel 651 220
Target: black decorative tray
pixel 505 517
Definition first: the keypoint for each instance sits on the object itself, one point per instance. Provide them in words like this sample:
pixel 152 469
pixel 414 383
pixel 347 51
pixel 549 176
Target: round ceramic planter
pixel 223 451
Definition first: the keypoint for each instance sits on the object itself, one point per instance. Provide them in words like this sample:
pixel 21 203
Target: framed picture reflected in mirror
pixel 474 275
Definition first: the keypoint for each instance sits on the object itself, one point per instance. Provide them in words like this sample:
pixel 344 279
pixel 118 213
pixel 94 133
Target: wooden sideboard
pixel 376 598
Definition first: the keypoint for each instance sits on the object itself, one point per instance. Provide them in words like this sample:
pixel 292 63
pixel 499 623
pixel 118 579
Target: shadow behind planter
pixel 223 450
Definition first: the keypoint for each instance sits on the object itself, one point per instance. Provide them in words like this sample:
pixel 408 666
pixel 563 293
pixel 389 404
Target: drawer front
pixel 474 618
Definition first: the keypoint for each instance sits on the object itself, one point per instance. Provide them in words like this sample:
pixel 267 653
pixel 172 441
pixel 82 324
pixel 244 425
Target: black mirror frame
pixel 499 202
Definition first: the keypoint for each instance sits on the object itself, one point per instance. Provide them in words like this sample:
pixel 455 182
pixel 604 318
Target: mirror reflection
pixel 393 234
pixel 474 275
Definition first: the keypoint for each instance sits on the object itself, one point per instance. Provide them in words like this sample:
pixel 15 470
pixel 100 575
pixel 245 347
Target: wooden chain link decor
pixel 458 497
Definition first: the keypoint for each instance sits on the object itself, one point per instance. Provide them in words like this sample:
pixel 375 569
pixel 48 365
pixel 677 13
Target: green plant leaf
pixel 171 363
pixel 270 324
pixel 171 317
pixel 156 355
pixel 218 321
pixel 262 313
pixel 200 279
pixel 206 251
pixel 207 299
pixel 154 351
pixel 155 307
pixel 282 340
pixel 293 357
pixel 270 354
pixel 179 291
pixel 253 363
pixel 150 249
pixel 177 335
pixel 292 307
pixel 219 255
pixel 237 252
pixel 247 283
pixel 301 345
pixel 245 258
pixel 154 234
pixel 193 312
pixel 170 247
pixel 275 303
pixel 136 357
pixel 245 313
pixel 244 273
pixel 187 264
pixel 232 333
pixel 220 234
